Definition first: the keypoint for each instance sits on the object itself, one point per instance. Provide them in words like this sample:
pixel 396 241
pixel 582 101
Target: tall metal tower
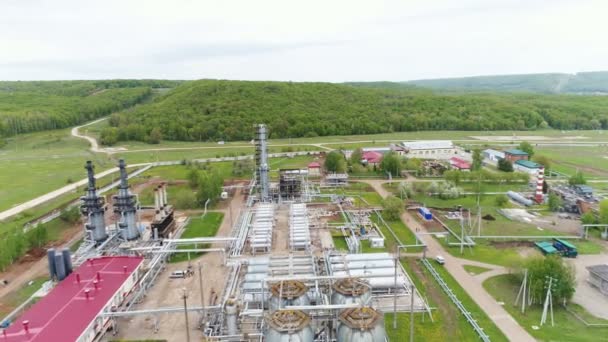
pixel 261 163
pixel 125 206
pixel 93 206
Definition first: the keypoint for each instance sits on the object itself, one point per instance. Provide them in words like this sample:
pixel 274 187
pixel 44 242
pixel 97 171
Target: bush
pixel 554 202
pixel 393 207
pixel 185 199
pixel 71 215
pixel 505 165
pixel 501 200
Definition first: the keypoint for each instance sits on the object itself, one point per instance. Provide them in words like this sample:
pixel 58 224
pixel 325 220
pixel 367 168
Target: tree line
pixel 213 110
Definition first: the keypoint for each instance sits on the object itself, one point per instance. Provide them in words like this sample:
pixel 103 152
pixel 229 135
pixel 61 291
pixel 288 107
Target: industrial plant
pixel 281 277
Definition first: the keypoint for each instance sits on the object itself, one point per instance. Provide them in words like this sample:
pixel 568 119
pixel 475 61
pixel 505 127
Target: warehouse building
pixel 527 166
pixel 72 310
pixel 515 155
pixel 430 149
pixel 492 156
pixel 314 169
pixel 460 164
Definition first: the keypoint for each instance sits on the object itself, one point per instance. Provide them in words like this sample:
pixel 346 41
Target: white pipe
pixel 165 195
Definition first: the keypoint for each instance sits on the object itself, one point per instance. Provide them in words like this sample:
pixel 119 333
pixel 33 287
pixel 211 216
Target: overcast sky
pixel 327 40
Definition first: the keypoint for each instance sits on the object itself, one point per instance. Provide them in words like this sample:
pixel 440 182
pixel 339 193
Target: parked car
pixel 178 274
pixel 440 260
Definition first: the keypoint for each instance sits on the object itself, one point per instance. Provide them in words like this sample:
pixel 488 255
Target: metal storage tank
pixel 288 326
pixel 50 255
pixel 293 292
pixel 60 267
pixel 363 324
pixel 231 311
pixel 351 291
pixel 67 260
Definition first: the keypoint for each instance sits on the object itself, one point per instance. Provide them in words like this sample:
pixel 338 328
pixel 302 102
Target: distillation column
pixel 93 206
pixel 125 206
pixel 261 158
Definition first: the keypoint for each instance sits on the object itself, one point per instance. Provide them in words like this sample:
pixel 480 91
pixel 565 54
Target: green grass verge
pixel 504 288
pixel 472 269
pixel 17 297
pixel 449 324
pixel 198 227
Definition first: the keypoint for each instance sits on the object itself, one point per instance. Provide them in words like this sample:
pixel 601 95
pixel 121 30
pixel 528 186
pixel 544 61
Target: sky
pixel 328 40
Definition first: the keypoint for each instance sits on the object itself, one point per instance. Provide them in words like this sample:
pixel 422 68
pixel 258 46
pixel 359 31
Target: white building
pixel 492 156
pixel 527 166
pixel 430 149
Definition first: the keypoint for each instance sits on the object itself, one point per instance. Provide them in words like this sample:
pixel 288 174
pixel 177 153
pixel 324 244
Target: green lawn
pixel 504 288
pixel 484 251
pixel 449 324
pixel 198 227
pixel 472 269
pixel 19 296
pixel 404 234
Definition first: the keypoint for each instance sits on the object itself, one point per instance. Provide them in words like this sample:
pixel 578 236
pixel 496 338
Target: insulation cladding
pixel 363 324
pixel 351 291
pixel 93 207
pixel 289 292
pixel 125 206
pixel 288 326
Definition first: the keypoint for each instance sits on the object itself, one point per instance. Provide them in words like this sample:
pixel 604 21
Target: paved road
pixel 586 295
pixel 512 330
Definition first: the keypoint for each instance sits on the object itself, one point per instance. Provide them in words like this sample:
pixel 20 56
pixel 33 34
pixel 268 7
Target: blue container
pixel 425 213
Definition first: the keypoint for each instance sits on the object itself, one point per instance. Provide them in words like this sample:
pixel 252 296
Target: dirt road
pixel 512 330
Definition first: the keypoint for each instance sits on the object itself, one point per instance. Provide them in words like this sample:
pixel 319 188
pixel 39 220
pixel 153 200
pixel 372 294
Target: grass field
pixel 472 269
pixel 19 296
pixel 504 288
pixel 198 227
pixel 450 324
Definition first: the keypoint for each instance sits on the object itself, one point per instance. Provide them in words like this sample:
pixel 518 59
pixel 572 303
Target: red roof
pixel 314 165
pixel 65 313
pixel 372 157
pixel 460 163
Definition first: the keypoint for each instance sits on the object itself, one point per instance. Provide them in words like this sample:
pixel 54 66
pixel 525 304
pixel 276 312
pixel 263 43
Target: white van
pixel 440 260
pixel 178 274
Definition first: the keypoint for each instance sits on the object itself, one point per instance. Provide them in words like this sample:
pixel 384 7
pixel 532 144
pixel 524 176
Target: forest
pixel 212 110
pixel 41 105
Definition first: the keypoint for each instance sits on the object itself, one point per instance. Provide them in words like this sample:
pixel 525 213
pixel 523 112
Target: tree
pixel 540 268
pixel 194 178
pixel 527 147
pixel 109 136
pixel 71 215
pixel 501 200
pixel 453 176
pixel 155 136
pixel 505 165
pixel 544 161
pixel 554 202
pixel 334 162
pixel 588 218
pixel 477 160
pixel 577 179
pixel 210 187
pixel 356 156
pixel 391 163
pixel 185 199
pixel 603 217
pixel 392 208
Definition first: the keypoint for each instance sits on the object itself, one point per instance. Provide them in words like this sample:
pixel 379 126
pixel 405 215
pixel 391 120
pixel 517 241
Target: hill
pixel 580 83
pixel 226 110
pixel 42 105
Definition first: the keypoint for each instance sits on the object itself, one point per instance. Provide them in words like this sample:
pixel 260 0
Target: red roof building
pixel 460 164
pixel 372 157
pixel 70 312
pixel 314 165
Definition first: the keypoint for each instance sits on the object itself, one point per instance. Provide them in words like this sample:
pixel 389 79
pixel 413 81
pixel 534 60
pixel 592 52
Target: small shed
pixel 425 213
pixel 598 277
pixel 376 242
pixel 460 164
pixel 314 169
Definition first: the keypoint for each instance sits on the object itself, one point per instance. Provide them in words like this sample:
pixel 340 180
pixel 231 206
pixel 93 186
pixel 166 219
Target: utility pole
pixel 185 298
pixel 412 289
pixel 200 280
pixel 548 303
pixel 395 290
pixel 461 232
pixel 522 292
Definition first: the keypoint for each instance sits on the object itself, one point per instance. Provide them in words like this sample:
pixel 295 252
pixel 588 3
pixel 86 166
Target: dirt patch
pixel 489 217
pixel 32 255
pixel 511 244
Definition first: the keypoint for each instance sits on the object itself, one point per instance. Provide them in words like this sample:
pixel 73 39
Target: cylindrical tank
pixel 99 227
pixel 50 255
pixel 351 291
pixel 363 324
pixel 288 326
pixel 67 260
pixel 59 266
pixel 517 197
pixel 291 292
pixel 231 316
